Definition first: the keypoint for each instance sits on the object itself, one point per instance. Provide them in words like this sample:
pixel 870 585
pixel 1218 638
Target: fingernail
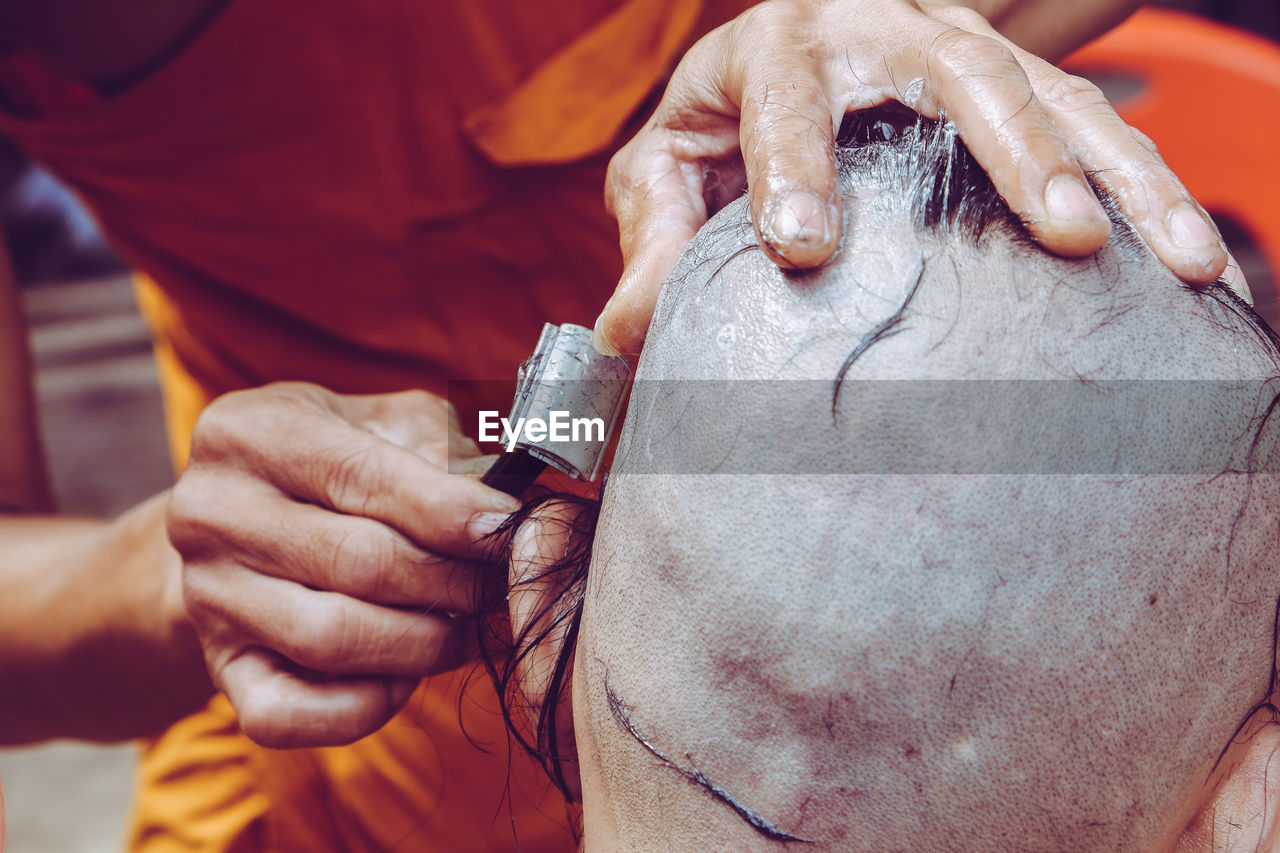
pixel 484 523
pixel 799 222
pixel 1067 199
pixel 597 338
pixel 1189 230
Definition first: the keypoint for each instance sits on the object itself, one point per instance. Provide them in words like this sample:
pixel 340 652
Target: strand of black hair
pixel 887 328
pixel 502 653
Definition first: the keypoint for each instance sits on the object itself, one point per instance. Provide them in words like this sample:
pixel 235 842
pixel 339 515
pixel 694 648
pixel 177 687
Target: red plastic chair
pixel 1210 99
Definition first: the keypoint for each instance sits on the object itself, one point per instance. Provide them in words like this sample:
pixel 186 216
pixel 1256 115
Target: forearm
pixel 94 641
pixel 1053 28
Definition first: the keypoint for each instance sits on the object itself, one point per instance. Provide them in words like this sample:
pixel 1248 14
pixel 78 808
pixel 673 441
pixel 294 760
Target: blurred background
pixel 102 424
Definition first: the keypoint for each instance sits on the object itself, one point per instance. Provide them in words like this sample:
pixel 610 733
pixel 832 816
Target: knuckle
pixel 237 426
pixel 402 416
pixel 623 181
pixel 1072 93
pixel 322 640
pixel 182 512
pixel 786 124
pixel 302 394
pixel 798 99
pixel 763 20
pixel 199 592
pixel 187 515
pixel 773 37
pixel 257 710
pixel 214 604
pixel 614 187
pixel 445 407
pixel 364 560
pixel 959 16
pixel 218 428
pixel 957 53
pixel 417 399
pixel 348 481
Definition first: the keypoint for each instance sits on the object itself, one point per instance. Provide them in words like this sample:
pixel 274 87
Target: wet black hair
pixel 531 724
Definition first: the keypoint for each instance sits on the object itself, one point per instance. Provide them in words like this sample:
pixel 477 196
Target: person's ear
pixel 1243 813
pixel 549 558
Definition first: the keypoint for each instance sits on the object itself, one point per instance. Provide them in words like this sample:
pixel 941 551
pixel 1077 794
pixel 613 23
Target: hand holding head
pixel 757 103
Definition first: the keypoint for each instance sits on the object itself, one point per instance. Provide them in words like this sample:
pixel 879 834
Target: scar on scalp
pixel 622 713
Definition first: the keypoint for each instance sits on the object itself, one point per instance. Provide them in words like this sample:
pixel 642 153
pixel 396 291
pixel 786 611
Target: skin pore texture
pixel 927 660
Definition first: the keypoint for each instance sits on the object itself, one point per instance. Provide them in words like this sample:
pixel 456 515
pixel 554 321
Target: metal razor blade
pixel 577 395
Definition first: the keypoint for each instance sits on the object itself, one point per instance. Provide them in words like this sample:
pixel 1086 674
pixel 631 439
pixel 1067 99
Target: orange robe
pixel 372 196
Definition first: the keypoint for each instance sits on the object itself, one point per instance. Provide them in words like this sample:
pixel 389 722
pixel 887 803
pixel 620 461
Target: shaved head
pixel 960 617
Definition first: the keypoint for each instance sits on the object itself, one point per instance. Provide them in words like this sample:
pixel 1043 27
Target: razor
pixel 574 395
